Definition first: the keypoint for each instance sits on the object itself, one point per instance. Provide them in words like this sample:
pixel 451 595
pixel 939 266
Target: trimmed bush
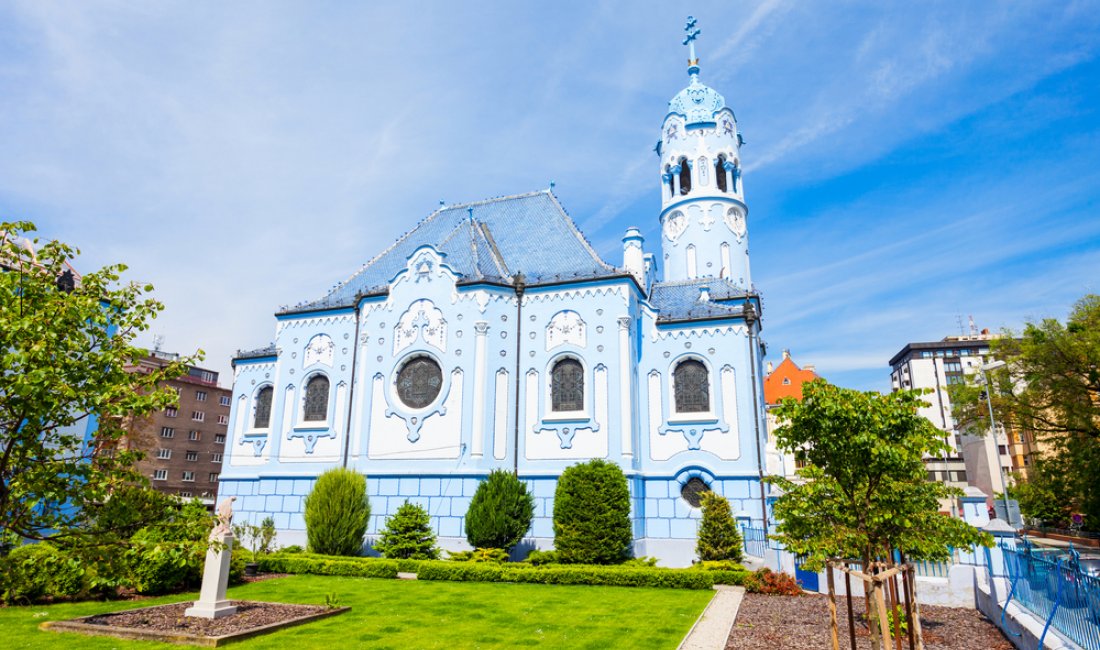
pixel 336 513
pixel 718 536
pixel 500 512
pixel 408 535
pixel 575 574
pixel 592 514
pixel 497 555
pixel 540 558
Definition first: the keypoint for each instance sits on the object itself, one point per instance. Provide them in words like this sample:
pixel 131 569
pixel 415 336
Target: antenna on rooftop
pixel 158 341
pixel 959 322
pixel 973 327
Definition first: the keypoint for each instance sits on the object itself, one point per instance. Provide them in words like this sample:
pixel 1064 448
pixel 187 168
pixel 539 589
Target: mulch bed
pixel 169 619
pixel 802 622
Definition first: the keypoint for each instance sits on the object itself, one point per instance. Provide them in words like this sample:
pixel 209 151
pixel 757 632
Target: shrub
pixel 766 581
pixel 592 514
pixel 34 571
pixel 130 508
pixel 718 565
pixel 718 536
pixel 540 558
pixel 169 555
pixel 643 561
pixel 408 535
pixel 497 555
pixel 336 512
pixel 293 548
pixel 574 574
pixel 500 512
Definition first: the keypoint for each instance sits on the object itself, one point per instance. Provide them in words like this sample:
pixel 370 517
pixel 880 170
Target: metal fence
pixel 755 541
pixel 1052 584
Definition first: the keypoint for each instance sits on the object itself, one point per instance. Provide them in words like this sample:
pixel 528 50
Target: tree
pixel 592 514
pixel 863 493
pixel 1050 387
pixel 500 512
pixel 718 535
pixel 65 350
pixel 408 535
pixel 336 512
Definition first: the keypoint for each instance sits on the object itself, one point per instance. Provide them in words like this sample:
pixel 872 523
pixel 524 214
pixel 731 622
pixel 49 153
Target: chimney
pixel 786 354
pixel 633 259
pixel 809 367
pixel 770 368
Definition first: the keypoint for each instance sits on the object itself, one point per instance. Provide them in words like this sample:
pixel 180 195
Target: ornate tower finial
pixel 689 40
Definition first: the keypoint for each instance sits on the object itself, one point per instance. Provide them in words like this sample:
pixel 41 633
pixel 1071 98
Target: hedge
pixel 555 574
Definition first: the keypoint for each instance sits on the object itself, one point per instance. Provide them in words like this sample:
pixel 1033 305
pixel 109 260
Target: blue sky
pixel 907 165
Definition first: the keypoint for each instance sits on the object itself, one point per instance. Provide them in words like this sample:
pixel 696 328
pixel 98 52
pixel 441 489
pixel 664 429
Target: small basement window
pixel 693 490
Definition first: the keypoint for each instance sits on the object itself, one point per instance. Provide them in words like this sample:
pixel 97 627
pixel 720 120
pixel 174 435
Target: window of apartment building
pixel 192 455
pixel 219 438
pixel 189 476
pixel 223 400
pixel 200 395
pixel 160 475
pixel 164 454
pixel 223 419
pixel 167 432
pixel 215 458
pixel 959 476
pixel 953 366
pixel 208 376
pixel 179 391
pixel 198 416
pixel 194 435
pixel 185 494
pixel 213 477
pixel 171 412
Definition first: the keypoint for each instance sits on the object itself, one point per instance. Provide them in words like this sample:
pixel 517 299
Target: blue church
pixel 492 335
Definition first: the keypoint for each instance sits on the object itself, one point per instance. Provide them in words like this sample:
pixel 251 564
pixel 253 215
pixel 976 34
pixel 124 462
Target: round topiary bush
pixel 500 512
pixel 718 535
pixel 592 514
pixel 336 513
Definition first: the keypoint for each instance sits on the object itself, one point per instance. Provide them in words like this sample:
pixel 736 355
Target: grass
pixel 413 614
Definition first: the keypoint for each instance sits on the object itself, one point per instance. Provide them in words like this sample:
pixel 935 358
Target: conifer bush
pixel 500 512
pixel 408 535
pixel 719 538
pixel 592 514
pixel 336 513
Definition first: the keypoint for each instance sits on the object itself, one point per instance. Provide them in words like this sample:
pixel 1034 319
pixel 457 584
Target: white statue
pixel 225 520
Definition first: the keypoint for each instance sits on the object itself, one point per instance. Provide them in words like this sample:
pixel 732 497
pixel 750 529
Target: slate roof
pixel 679 300
pixel 258 353
pixel 488 240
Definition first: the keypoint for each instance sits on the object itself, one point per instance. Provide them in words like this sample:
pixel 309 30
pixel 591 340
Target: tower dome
pixel 697 103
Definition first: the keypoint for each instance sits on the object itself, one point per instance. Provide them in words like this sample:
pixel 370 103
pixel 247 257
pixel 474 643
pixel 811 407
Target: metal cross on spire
pixel 689 40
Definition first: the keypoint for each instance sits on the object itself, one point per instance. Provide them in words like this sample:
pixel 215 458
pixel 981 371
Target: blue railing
pixel 1052 584
pixel 755 541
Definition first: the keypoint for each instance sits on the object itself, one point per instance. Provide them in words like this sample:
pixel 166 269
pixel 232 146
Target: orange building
pixel 786 380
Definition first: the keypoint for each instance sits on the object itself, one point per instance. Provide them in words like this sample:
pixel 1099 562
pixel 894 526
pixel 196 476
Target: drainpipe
pixel 521 287
pixel 751 319
pixel 351 386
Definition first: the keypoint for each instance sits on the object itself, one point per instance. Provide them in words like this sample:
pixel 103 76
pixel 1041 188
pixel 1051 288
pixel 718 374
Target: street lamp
pixel 993 365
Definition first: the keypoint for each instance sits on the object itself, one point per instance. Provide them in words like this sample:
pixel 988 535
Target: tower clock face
pixel 735 221
pixel 675 225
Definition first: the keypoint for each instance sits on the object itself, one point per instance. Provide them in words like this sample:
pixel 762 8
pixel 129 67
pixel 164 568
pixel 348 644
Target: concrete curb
pixel 712 629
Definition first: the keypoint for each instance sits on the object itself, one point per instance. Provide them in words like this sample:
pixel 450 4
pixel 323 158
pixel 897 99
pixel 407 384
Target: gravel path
pixel 802 622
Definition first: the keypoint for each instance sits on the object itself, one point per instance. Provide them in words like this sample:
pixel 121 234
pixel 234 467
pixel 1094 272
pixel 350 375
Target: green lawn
pixel 413 614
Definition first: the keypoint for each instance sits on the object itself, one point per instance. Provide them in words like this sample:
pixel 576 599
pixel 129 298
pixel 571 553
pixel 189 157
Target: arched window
pixel 262 419
pixel 316 404
pixel 691 387
pixel 567 386
pixel 685 176
pixel 720 172
pixel 693 490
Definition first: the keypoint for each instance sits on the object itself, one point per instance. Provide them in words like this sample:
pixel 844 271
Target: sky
pixel 908 165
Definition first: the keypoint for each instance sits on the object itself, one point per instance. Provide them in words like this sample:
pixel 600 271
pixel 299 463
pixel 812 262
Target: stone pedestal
pixel 215 579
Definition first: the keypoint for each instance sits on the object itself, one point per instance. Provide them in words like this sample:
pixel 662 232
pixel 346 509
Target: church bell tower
pixel 703 211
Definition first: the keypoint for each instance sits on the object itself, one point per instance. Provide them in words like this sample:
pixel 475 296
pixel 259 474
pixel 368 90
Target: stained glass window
pixel 693 490
pixel 262 420
pixel 685 176
pixel 567 386
pixel 720 173
pixel 419 382
pixel 316 405
pixel 692 387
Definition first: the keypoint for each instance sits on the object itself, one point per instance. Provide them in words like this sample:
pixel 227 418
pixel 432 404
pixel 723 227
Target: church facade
pixel 492 336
